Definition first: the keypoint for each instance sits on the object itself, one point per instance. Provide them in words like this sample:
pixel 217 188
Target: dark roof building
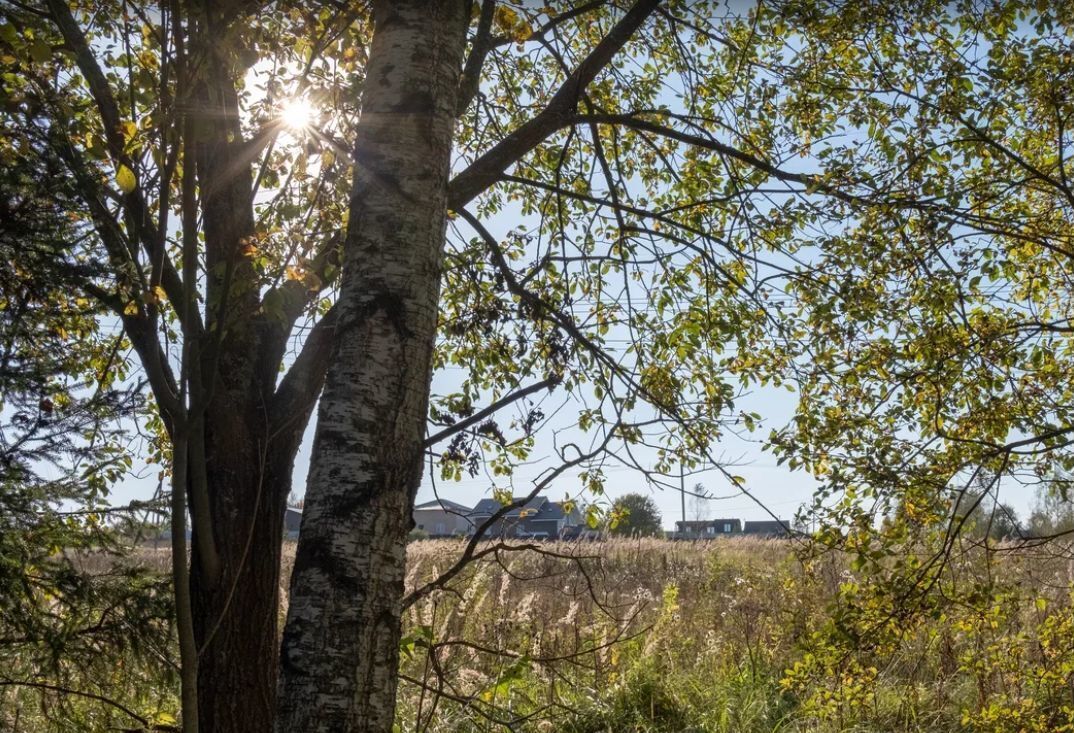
pixel 700 529
pixel 768 528
pixel 537 517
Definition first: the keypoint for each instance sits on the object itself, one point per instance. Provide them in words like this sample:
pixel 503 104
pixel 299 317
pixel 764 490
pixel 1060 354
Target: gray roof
pixel 538 508
pixel 445 504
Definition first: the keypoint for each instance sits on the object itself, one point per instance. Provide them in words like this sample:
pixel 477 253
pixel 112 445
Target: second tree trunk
pixel 340 652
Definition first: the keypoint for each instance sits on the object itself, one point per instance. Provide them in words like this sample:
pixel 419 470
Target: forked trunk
pixel 247 455
pixel 341 643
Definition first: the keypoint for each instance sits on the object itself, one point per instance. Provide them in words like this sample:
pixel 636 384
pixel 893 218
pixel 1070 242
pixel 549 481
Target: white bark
pixel 341 643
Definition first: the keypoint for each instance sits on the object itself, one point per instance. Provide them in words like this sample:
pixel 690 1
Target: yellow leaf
pixel 522 31
pixel 126 180
pixel 154 296
pixel 505 18
pixel 511 24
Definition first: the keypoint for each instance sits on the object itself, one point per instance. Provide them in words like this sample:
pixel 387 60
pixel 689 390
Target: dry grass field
pixel 729 635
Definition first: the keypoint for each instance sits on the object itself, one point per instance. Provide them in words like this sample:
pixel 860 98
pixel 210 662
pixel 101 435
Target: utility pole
pixel 682 492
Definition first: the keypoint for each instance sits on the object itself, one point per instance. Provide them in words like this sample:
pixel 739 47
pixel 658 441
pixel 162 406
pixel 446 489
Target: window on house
pixel 421 526
pixel 440 528
pixel 727 527
pixel 710 529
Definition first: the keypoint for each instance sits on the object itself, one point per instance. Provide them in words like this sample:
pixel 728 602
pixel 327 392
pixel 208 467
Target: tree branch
pixel 471 73
pixel 154 360
pixel 111 122
pixel 491 409
pixel 487 169
pixel 79 693
pixel 635 122
pixel 302 383
pixel 470 552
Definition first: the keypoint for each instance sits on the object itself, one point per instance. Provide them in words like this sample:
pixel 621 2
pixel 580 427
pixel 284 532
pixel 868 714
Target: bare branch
pixel 88 695
pixel 638 123
pixel 300 386
pixel 482 44
pixel 471 552
pixel 487 169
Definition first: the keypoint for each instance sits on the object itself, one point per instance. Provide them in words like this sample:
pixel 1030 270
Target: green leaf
pixel 40 51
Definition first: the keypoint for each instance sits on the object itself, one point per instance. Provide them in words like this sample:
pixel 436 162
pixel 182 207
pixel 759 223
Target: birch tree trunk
pixel 340 648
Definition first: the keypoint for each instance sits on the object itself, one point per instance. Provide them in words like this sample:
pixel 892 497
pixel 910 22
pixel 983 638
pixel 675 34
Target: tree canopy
pixel 636 515
pixel 583 232
pixel 67 404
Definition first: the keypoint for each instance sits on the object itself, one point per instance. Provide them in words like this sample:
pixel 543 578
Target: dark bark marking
pixel 317 554
pixel 416 102
pixel 391 305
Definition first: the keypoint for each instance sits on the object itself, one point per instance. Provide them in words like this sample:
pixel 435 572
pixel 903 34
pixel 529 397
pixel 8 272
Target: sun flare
pixel 296 114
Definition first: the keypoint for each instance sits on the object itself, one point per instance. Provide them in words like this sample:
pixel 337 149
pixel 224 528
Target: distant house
pixel 292 520
pixel 442 518
pixel 768 528
pixel 537 518
pixel 707 528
